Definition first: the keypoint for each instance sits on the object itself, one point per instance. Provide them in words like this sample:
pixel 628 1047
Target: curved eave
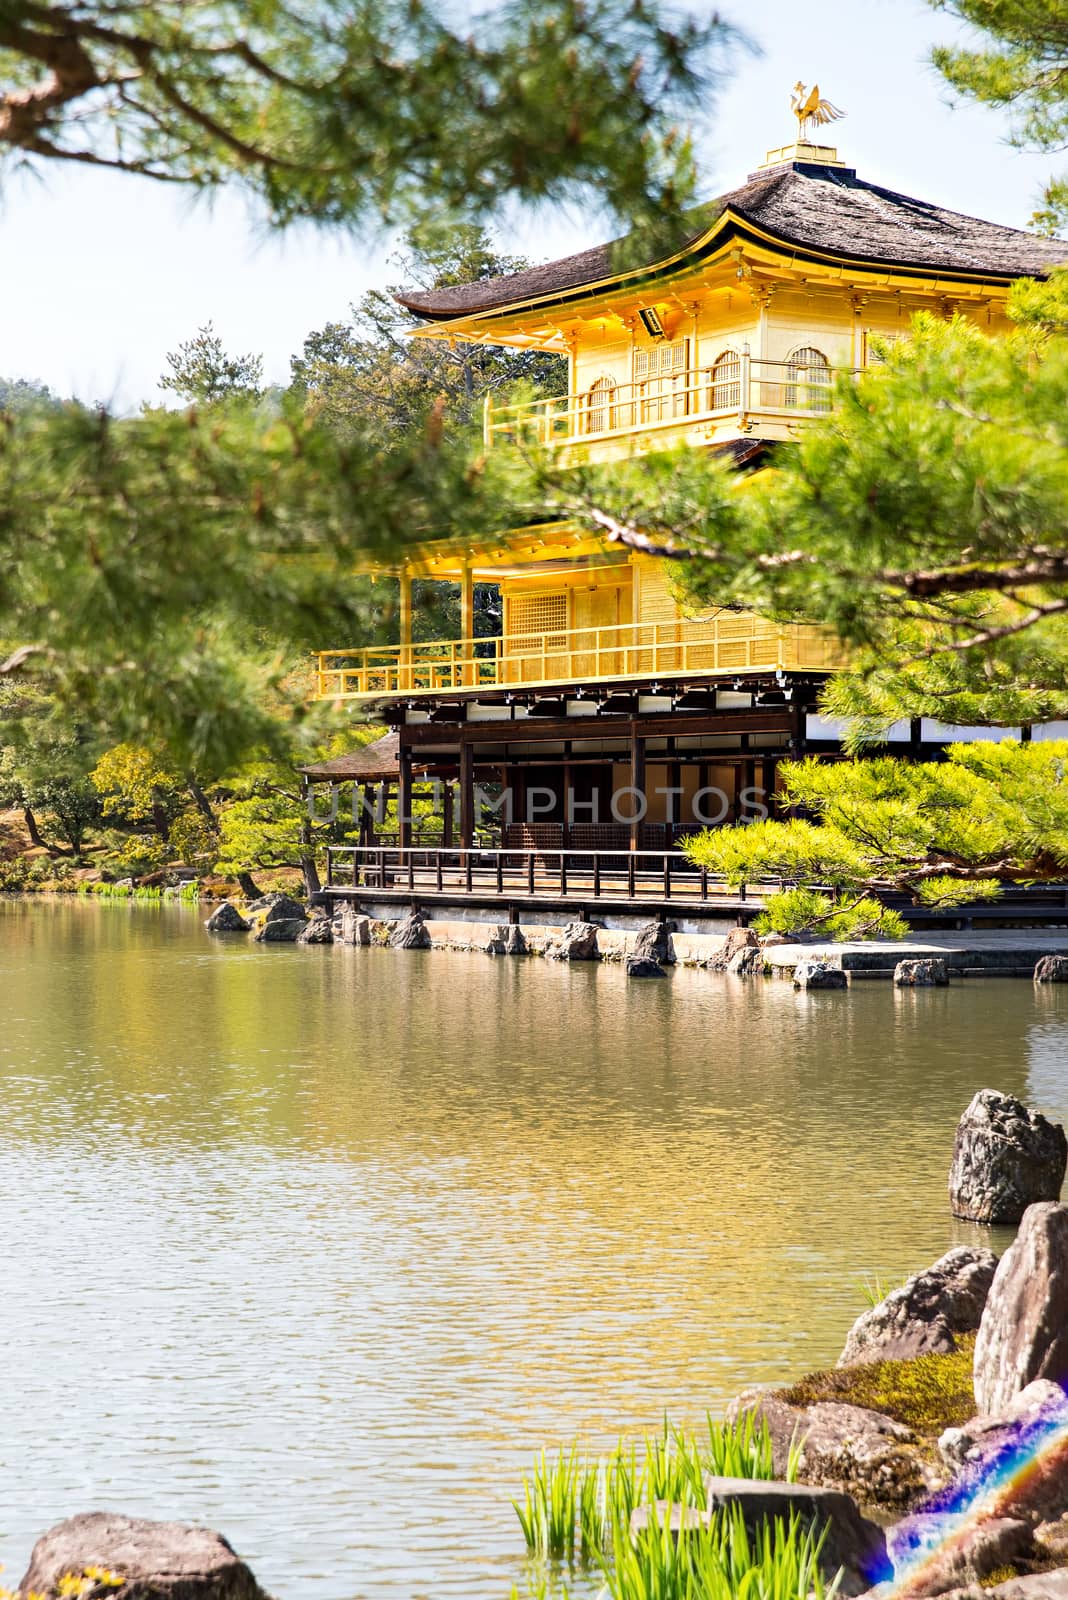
pixel 730 226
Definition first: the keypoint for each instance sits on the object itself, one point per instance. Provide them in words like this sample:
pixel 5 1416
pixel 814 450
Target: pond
pixel 320 1246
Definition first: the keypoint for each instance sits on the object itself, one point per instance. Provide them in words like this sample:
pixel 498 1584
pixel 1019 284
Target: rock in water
pixel 227 919
pixel 577 942
pixel 819 975
pixel 926 974
pixel 1052 969
pixel 507 940
pixel 654 943
pixel 283 909
pixel 643 967
pixel 1024 1331
pixel 283 930
pixel 411 934
pixel 847 1447
pixel 852 1543
pixel 1005 1159
pixel 350 927
pixel 748 963
pixel 927 1313
pixel 156 1560
pixel 737 939
pixel 317 931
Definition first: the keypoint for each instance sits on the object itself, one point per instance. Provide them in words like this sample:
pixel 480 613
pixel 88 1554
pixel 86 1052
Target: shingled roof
pixel 826 212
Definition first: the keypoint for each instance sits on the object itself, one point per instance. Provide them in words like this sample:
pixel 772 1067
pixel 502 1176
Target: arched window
pixel 808 380
pixel 600 409
pixel 726 392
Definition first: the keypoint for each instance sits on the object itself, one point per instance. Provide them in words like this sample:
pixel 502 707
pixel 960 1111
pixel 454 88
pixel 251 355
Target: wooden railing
pixel 755 389
pixel 549 874
pixel 729 643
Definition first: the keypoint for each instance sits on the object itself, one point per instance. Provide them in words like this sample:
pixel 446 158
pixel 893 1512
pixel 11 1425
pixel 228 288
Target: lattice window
pixel 808 386
pixel 600 412
pixel 660 380
pixel 726 391
pixel 537 618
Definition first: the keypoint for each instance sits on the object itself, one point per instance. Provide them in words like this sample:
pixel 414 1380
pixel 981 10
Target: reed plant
pixel 573 1508
pixel 715 1558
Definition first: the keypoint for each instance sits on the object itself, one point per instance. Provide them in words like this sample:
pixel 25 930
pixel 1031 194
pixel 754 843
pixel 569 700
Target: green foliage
pixel 927 1393
pixel 946 832
pixel 807 914
pixel 134 784
pixel 349 113
pixel 572 1507
pixel 1021 64
pixel 368 375
pixel 203 374
pixel 717 1560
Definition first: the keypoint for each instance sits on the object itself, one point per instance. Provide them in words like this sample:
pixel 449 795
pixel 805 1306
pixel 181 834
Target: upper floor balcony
pixel 722 646
pixel 738 395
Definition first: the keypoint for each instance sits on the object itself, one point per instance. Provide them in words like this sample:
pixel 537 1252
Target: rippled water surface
pixel 320 1246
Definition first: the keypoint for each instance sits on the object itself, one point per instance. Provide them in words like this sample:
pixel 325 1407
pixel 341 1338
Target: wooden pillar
pixel 404 799
pixel 405 585
pixel 637 784
pixel 446 813
pixel 467 795
pixel 674 801
pixel 467 622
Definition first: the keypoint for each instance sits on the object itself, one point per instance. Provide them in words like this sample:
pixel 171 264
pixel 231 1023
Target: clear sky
pixel 103 274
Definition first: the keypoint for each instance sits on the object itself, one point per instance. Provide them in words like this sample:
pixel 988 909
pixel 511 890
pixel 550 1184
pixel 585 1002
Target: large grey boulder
pixel 1005 1158
pixel 928 973
pixel 317 931
pixel 227 919
pixel 643 967
pixel 1024 1331
pixel 847 1447
pixel 156 1560
pixel 411 934
pixel 853 1545
pixel 654 943
pixel 283 909
pixel 925 1316
pixel 748 963
pixel 819 975
pixel 282 930
pixel 576 942
pixel 1034 1424
pixel 350 927
pixel 1052 969
pixel 507 940
pixel 738 939
pixel 932 1553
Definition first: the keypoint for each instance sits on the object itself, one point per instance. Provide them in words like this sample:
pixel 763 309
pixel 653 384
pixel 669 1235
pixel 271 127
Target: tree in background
pixel 367 374
pixel 45 759
pixel 203 374
pixel 1022 66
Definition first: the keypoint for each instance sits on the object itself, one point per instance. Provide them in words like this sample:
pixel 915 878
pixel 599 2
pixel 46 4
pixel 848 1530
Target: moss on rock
pixel 927 1393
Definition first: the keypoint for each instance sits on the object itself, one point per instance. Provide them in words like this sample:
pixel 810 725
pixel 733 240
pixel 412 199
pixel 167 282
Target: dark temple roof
pixel 821 211
pixel 369 763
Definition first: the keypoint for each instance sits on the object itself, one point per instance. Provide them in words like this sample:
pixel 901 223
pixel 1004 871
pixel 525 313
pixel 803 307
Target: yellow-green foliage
pixel 927 1393
pixel 945 832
